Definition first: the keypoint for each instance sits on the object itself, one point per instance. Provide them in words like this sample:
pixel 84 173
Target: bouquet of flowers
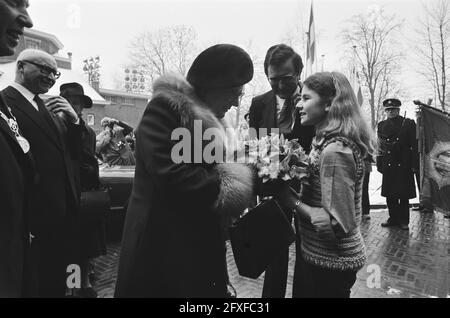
pixel 278 159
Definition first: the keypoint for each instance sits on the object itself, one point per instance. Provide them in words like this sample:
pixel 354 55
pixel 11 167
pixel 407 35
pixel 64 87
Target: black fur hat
pixel 221 66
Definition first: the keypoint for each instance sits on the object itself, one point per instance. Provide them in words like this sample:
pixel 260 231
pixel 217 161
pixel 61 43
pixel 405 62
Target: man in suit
pixel 54 135
pixel 16 171
pixel 90 226
pixel 276 110
pixel 87 169
pixel 397 161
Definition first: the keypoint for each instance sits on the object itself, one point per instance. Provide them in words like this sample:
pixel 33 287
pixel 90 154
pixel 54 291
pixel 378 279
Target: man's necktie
pixel 40 104
pixel 286 117
pixel 45 113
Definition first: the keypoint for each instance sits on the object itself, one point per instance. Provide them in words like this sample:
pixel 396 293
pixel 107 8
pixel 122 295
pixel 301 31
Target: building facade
pixel 124 106
pixel 121 105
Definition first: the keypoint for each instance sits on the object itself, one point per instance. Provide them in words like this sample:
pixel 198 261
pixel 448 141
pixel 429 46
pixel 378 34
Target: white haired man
pixel 54 135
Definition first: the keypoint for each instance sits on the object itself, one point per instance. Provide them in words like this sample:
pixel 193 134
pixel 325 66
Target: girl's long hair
pixel 344 116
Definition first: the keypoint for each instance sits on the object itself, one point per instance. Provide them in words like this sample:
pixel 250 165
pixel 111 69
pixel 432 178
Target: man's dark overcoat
pixel 397 157
pixel 263 112
pixel 16 183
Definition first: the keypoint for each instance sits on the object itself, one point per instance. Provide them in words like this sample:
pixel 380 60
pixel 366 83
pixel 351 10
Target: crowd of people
pixel 179 211
pixel 115 144
pixel 47 162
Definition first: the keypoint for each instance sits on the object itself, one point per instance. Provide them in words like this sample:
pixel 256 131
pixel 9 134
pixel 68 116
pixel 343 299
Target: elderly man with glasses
pixel 53 131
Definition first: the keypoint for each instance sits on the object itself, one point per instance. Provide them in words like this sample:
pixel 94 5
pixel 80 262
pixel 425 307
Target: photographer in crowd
pixel 111 144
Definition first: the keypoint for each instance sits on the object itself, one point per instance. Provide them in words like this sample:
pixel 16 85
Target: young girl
pixel 329 206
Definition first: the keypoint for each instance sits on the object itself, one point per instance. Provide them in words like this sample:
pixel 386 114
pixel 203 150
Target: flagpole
pixel 323 61
pixel 315 40
pixel 356 83
pixel 312 45
pixel 354 68
pixel 316 60
pixel 306 55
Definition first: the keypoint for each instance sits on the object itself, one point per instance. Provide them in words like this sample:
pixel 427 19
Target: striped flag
pixel 359 95
pixel 311 50
pixel 355 81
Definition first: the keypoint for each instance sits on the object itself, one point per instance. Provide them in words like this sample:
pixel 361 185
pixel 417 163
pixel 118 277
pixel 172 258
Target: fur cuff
pixel 236 189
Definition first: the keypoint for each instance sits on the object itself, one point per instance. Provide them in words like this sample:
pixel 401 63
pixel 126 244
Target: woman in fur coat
pixel 173 239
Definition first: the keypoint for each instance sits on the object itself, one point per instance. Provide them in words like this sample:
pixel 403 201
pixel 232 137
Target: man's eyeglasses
pixel 285 79
pixel 46 70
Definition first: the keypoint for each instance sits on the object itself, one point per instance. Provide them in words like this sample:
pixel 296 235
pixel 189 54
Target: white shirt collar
pixel 29 96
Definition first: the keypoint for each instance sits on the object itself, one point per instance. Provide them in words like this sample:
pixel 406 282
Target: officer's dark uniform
pixel 396 160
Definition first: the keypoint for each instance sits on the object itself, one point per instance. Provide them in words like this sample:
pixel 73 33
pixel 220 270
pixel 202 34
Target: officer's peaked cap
pixel 392 103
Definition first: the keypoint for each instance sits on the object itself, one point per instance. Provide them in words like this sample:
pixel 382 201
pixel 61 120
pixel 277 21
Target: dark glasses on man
pixel 285 79
pixel 46 70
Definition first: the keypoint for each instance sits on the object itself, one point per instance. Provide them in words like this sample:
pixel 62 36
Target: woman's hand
pixel 286 196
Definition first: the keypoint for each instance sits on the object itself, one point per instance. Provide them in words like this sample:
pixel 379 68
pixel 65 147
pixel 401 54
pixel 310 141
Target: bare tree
pixel 169 49
pixel 433 48
pixel 370 41
pixel 255 87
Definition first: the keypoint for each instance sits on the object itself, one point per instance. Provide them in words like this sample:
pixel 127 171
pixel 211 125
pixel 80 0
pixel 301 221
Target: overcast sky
pixel 106 27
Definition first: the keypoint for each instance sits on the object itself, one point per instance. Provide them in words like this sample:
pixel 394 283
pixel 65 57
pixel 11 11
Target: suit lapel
pixel 270 111
pixel 57 127
pixel 22 105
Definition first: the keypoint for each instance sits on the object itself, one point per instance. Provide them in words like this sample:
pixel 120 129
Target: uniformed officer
pixel 397 161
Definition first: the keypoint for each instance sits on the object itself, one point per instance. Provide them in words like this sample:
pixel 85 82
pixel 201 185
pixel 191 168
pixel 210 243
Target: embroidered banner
pixel 434 134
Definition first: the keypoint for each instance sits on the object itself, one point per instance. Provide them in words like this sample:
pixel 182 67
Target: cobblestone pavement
pixel 411 264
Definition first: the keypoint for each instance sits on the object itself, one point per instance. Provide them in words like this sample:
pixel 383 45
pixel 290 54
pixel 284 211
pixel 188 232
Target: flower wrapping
pixel 276 158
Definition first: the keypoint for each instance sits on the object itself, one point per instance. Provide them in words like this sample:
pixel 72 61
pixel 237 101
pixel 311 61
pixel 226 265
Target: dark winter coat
pixel 16 184
pixel 173 243
pixel 397 157
pixel 86 169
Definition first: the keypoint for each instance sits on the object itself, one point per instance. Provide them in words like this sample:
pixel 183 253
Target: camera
pixel 112 123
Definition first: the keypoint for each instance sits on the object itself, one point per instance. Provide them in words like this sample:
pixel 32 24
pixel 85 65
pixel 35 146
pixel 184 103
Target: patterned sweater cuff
pixel 321 222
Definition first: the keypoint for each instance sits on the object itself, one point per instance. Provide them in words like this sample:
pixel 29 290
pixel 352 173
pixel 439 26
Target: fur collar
pixel 180 96
pixel 236 190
